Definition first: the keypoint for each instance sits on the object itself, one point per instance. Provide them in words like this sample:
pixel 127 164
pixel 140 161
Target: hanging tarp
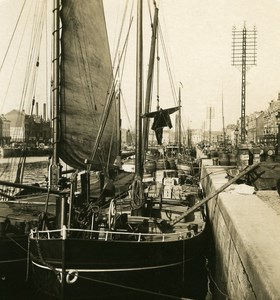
pixel 161 119
pixel 86 74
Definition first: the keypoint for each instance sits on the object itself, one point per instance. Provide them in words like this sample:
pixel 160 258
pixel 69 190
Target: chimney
pixel 44 112
pixel 37 111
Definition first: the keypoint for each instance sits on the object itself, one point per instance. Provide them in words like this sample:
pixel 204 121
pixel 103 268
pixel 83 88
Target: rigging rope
pixel 108 104
pixel 127 115
pixel 31 76
pixel 169 72
pixel 31 73
pixel 8 48
pixel 120 33
pixel 33 52
pixel 16 59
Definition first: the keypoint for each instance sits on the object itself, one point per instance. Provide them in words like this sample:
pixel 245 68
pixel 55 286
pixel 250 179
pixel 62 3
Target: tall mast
pixel 149 82
pixel 179 121
pixel 55 168
pixel 224 133
pixel 55 90
pixel 118 115
pixel 118 124
pixel 139 91
pixel 210 118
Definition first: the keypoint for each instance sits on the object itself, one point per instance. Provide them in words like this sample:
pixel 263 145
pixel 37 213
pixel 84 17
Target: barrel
pixel 150 166
pixel 224 159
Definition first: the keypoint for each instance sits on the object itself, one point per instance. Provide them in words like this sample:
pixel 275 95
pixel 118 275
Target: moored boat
pixel 105 246
pixel 113 252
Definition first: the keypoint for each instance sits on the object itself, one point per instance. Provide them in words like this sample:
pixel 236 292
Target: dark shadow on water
pixel 195 288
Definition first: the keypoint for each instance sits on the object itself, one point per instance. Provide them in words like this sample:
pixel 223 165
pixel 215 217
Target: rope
pixel 120 33
pixel 31 73
pixel 110 147
pixel 137 194
pixel 128 118
pixel 5 56
pixel 212 279
pixel 15 61
pixel 42 259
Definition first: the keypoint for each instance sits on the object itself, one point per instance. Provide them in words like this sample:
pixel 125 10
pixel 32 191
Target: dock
pixel 245 225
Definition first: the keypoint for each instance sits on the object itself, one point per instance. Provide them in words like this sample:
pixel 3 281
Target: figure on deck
pixel 161 119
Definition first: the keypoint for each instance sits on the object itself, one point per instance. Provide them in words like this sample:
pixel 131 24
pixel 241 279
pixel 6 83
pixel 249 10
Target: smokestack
pixel 44 112
pixel 37 110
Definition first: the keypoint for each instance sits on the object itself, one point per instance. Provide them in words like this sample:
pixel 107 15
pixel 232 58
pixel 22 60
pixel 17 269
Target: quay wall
pixel 246 238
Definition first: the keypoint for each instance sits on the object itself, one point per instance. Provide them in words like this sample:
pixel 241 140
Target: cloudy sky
pixel 198 39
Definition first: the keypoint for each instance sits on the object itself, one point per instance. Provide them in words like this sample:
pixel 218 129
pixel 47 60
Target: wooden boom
pixel 219 190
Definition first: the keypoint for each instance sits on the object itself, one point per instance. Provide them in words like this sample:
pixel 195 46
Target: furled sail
pixel 86 75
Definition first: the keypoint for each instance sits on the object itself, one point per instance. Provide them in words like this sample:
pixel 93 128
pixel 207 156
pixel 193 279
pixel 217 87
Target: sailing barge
pixel 104 246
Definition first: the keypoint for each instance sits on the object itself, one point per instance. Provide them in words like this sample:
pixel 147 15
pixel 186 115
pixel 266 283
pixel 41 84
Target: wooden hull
pixel 114 268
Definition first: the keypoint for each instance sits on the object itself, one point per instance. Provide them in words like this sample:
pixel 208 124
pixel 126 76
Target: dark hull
pixel 13 264
pixel 13 257
pixel 109 269
pixel 16 220
pixel 16 152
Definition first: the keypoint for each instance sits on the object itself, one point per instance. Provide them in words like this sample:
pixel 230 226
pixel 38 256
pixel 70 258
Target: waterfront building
pixel 270 122
pixel 254 127
pixel 17 125
pixel 5 135
pixel 30 129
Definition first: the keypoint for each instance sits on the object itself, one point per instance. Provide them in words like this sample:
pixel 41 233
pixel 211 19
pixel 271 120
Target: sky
pixel 198 39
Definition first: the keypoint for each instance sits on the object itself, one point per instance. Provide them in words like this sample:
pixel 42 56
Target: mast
pixel 224 133
pixel 55 168
pixel 137 187
pixel 118 114
pixel 139 91
pixel 119 121
pixel 118 124
pixel 55 90
pixel 149 83
pixel 179 121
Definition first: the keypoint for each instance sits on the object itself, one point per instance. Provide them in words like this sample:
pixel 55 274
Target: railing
pixel 107 235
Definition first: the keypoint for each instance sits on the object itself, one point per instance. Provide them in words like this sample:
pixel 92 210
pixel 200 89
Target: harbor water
pixel 197 280
pixel 35 170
